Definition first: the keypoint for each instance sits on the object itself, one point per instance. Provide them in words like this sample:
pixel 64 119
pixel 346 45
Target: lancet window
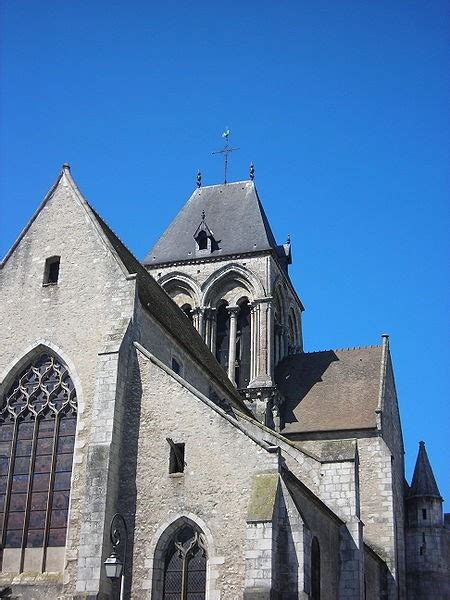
pixel 315 569
pixel 38 418
pixel 185 566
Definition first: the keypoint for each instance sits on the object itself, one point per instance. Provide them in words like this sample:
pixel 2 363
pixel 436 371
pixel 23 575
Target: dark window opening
pixel 51 272
pixel 202 240
pixel 185 566
pixel 243 342
pixel 176 458
pixel 176 367
pixel 187 309
pixel 223 335
pixel 424 513
pixel 315 569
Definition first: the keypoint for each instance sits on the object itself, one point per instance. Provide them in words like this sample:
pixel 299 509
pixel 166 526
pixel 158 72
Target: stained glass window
pixel 185 566
pixel 38 419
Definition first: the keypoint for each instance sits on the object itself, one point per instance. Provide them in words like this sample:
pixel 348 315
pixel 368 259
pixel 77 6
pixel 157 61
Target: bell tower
pixel 219 261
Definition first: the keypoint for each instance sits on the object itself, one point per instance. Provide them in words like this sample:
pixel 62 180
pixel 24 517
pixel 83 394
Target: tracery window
pixel 37 434
pixel 185 566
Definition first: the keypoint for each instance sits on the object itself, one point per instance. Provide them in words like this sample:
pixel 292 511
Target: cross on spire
pixel 226 150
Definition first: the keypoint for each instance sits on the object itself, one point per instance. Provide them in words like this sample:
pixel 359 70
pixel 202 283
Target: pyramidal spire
pixel 423 481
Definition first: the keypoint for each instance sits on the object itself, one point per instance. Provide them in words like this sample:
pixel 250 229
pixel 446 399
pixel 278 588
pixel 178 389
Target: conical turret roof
pixel 423 481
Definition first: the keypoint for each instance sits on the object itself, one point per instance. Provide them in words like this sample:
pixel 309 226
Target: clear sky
pixel 342 106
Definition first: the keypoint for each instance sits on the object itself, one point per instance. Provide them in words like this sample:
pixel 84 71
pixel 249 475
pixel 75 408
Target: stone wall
pixel 214 490
pixel 76 319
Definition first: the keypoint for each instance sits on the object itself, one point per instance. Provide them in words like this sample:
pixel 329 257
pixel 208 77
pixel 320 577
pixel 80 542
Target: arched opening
pixel 315 569
pixel 181 568
pixel 243 345
pixel 187 309
pixel 222 334
pixel 38 417
pixel 202 240
pixel 279 348
pixel 185 566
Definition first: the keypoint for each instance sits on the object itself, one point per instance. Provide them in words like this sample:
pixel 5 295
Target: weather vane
pixel 226 150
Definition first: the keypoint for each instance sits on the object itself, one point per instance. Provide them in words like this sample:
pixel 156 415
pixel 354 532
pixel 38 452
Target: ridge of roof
pixel 423 481
pixel 350 348
pixel 202 187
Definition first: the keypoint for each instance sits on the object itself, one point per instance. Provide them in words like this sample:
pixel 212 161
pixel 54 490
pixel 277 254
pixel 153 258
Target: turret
pixel 427 540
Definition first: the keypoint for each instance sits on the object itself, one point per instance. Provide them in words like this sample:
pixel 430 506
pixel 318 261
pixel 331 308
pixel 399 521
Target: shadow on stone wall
pixel 128 460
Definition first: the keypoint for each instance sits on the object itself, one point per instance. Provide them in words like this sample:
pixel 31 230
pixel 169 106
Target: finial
pixel 421 443
pixel 66 167
pixel 252 171
pixel 199 179
pixel 226 151
pixel 288 241
pixel 203 215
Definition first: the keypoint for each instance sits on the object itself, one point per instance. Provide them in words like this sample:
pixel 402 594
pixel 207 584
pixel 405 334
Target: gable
pixel 92 292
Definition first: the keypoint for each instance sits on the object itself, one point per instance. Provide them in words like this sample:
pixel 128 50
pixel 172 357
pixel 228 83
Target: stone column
pixel 270 339
pixel 233 310
pixel 254 331
pixel 201 321
pixel 213 329
pixel 207 321
pixel 263 320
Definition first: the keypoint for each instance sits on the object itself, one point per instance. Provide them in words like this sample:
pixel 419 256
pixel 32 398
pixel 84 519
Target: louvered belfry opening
pixel 38 419
pixel 185 566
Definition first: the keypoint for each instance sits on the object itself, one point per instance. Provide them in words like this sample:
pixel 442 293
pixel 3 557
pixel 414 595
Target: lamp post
pixel 114 567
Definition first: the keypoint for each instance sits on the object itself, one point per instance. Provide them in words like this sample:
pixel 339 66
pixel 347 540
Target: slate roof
pixel 233 213
pixel 330 390
pixel 423 481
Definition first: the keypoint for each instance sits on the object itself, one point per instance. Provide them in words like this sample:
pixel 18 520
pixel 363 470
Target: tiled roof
pixel 330 390
pixel 234 215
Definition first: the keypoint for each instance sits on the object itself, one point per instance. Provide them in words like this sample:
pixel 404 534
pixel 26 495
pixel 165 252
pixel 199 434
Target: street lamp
pixel 115 567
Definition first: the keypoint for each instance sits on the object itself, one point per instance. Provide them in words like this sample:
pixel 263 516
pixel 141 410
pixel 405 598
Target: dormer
pixel 204 238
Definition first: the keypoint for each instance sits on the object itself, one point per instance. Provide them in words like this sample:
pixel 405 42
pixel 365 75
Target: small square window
pixel 176 459
pixel 51 272
pixel 424 513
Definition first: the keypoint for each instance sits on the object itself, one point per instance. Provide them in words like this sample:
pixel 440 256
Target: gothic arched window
pixel 185 566
pixel 38 417
pixel 315 569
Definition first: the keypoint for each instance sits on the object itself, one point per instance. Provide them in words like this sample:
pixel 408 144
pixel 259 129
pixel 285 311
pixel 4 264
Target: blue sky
pixel 342 106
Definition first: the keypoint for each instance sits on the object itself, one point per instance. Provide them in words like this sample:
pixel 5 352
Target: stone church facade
pixel 176 392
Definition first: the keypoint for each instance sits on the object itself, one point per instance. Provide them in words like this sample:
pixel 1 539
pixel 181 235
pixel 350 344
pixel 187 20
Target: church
pixel 164 436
